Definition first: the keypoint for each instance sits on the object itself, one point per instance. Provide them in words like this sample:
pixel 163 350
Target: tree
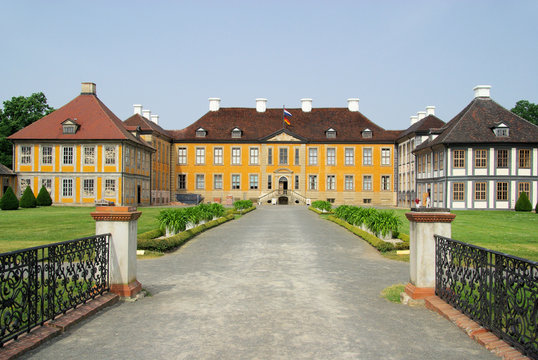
pixel 43 198
pixel 9 201
pixel 28 199
pixel 18 113
pixel 527 111
pixel 523 203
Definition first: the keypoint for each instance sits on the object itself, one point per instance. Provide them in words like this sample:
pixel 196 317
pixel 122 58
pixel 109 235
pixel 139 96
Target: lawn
pixel 511 232
pixel 25 228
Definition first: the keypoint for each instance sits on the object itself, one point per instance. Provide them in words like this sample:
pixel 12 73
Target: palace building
pixel 83 153
pixel 334 154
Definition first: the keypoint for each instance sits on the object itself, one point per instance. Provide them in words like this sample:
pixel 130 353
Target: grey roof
pixel 4 170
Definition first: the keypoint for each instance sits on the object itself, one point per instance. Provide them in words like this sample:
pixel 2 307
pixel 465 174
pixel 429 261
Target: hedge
pixel 243 212
pixel 175 241
pixel 322 205
pixel 376 242
pixel 523 203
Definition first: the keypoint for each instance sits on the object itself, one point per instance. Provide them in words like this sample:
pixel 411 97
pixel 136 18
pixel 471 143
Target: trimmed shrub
pixel 9 201
pixel 241 205
pixel 376 242
pixel 523 203
pixel 28 199
pixel 322 205
pixel 43 198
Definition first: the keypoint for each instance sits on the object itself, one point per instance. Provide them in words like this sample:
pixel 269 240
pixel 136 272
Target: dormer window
pixel 236 133
pixel 70 126
pixel 367 134
pixel 331 133
pixel 501 130
pixel 201 132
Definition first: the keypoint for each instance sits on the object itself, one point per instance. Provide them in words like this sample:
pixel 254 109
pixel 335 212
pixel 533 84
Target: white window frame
pixel 86 189
pixel 312 182
pixel 349 156
pixel 236 182
pixel 367 184
pixel 313 156
pixel 331 156
pixel 110 187
pixel 64 155
pixel 218 156
pixel 182 155
pixel 200 156
pixel 349 182
pixel 385 182
pixel 88 156
pixel 217 181
pixel 26 155
pixel 331 182
pixel 367 156
pixel 47 156
pixel 184 181
pixel 199 181
pixel 67 188
pixel 236 156
pixel 281 159
pixel 254 156
pixel 110 155
pixel 385 156
pixel 253 181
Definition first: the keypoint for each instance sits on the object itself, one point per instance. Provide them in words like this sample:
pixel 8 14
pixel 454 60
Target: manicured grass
pixel 25 228
pixel 392 293
pixel 510 232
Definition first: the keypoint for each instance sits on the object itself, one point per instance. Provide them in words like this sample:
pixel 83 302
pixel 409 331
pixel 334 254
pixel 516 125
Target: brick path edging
pixel 15 348
pixel 476 332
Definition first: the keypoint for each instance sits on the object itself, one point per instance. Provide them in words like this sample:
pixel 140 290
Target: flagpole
pixel 283 124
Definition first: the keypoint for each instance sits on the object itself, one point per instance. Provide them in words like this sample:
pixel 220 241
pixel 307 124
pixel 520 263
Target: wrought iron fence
pixel 497 290
pixel 38 284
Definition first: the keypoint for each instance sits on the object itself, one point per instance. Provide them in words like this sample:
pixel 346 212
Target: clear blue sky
pixel 171 56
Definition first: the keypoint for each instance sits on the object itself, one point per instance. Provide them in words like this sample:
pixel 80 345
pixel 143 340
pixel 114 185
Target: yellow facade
pixel 160 168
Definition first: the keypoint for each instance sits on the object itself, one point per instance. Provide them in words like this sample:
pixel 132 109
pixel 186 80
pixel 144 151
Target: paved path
pixel 279 283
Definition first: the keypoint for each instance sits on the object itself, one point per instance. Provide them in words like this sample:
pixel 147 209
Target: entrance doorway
pixel 283 200
pixel 283 185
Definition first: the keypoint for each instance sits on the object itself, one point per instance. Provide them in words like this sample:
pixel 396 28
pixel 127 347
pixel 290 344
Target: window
pixel 236 156
pixel 269 182
pixel 67 187
pixel 367 156
pixel 200 181
pixel 524 187
pixel 200 156
pixel 217 181
pixel 428 163
pixel 501 131
pixel 367 201
pixel 385 182
pixel 331 182
pixel 458 192
pixel 348 182
pixel 47 183
pixel 435 160
pixel 182 156
pixel 283 156
pixel 385 156
pixel 110 155
pixel 419 163
pixel 459 159
pixel 217 156
pixel 297 162
pixel 331 133
pixel 182 181
pixel 441 160
pixel 253 181
pixel 254 155
pixel 138 157
pixel 349 156
pixel 110 187
pixel 127 156
pixel 296 182
pixel 88 187
pixel 480 191
pixel 236 181
pixel 68 156
pixel 367 134
pixel 367 182
pixel 502 158
pixel 25 182
pixel 201 132
pixel 46 155
pixel 331 200
pixel 480 158
pixel 524 158
pixel 312 156
pixel 312 182
pixel 270 156
pixel 69 129
pixel 331 156
pixel 26 155
pixel 236 133
pixel 502 191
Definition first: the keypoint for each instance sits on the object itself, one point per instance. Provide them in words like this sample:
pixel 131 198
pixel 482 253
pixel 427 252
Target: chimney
pixel 155 119
pixel 137 109
pixel 421 115
pixel 306 105
pixel 481 91
pixel 261 105
pixel 414 119
pixel 430 110
pixel 147 114
pixel 88 88
pixel 353 104
pixel 214 104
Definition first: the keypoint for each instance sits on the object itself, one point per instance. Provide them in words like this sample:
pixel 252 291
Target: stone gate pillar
pixel 423 224
pixel 122 223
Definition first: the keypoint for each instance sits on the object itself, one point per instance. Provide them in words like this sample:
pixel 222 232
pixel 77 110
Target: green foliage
pixel 527 111
pixel 43 198
pixel 242 204
pixel 392 293
pixel 9 201
pixel 536 208
pixel 176 220
pixel 378 222
pixel 28 199
pixel 376 242
pixel 523 203
pixel 152 234
pixel 18 113
pixel 322 205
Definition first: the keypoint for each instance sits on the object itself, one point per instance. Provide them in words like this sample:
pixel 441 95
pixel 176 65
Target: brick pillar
pixel 122 223
pixel 423 224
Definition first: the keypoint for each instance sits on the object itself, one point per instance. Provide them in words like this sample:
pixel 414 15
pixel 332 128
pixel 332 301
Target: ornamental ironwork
pixel 40 283
pixel 497 290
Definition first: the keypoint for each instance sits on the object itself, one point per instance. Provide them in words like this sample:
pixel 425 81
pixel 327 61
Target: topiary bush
pixel 523 203
pixel 28 199
pixel 9 201
pixel 43 198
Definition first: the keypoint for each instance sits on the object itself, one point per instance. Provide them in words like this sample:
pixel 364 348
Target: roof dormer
pixel 501 130
pixel 236 133
pixel 70 126
pixel 201 132
pixel 330 133
pixel 367 134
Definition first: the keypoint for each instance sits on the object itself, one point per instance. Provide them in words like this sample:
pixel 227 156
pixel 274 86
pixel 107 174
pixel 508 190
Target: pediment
pixel 283 135
pixel 283 171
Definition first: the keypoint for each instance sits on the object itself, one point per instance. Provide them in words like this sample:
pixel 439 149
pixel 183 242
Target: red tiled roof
pixel 423 126
pixel 309 125
pixel 95 120
pixel 145 125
